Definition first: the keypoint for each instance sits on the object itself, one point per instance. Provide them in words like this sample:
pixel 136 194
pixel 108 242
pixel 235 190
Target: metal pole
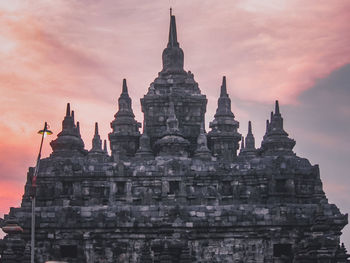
pixel 33 231
pixel 32 245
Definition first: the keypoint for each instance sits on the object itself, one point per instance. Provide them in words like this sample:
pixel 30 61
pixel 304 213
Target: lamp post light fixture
pixel 43 132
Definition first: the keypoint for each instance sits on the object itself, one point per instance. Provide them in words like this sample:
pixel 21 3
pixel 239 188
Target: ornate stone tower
pixel 124 139
pixel 97 154
pixel 276 140
pixel 223 138
pixel 68 142
pixel 96 141
pixel 174 83
pixel 248 150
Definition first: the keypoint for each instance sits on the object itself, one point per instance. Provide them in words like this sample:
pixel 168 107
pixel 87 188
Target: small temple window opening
pixel 69 251
pixel 174 187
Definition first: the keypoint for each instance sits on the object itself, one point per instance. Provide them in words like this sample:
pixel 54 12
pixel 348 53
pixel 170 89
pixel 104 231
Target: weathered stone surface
pixel 223 137
pixel 124 139
pixel 172 196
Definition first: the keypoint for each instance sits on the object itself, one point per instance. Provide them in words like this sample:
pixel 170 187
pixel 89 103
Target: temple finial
pixel 105 146
pixel 78 127
pixel 171 11
pixel 249 139
pixel 68 110
pixel 172 32
pixel 276 140
pixel 96 128
pixel 223 92
pixel 249 127
pixel 125 87
pixel 242 143
pixel 72 115
pixel 68 121
pixel 277 108
pixel 96 141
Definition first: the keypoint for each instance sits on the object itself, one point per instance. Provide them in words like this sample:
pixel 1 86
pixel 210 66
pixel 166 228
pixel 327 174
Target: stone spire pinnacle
pixel 172 42
pixel 68 110
pixel 124 103
pixel 276 140
pixel 96 129
pixel 223 91
pixel 68 140
pixel 78 127
pixel 105 146
pixel 224 102
pixel 224 125
pixel 125 87
pixel 96 141
pixel 249 139
pixel 68 121
pixel 124 138
pixel 277 108
pixel 248 145
pixel 173 56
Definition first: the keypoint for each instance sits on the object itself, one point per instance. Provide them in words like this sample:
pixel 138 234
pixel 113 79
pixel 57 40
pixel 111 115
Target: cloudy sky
pixel 78 51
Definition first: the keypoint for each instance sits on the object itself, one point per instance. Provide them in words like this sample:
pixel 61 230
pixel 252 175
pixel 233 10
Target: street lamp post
pixel 43 132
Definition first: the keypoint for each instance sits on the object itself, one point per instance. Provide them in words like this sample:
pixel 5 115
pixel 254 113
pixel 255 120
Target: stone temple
pixel 174 193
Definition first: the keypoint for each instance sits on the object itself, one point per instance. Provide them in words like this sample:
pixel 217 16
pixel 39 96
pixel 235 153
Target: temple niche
pixel 175 192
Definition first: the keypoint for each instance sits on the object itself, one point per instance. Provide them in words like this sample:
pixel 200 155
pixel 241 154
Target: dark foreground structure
pixel 176 193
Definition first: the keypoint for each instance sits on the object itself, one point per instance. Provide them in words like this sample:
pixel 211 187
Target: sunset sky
pixel 78 51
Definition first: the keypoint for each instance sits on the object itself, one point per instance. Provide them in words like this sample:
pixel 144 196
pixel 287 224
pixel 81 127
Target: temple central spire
pixel 172 32
pixel 174 92
pixel 173 56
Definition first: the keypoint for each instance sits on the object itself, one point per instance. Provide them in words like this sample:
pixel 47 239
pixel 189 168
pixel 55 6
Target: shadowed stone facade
pixel 176 193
